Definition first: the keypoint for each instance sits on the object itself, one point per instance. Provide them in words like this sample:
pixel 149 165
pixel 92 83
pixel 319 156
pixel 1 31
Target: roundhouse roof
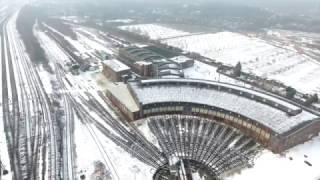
pixel 271 111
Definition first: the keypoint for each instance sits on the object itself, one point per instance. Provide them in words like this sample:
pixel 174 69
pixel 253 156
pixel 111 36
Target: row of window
pixel 163 109
pixel 237 120
pixel 264 134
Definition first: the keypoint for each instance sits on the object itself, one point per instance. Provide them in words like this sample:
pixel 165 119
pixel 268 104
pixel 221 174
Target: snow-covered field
pixel 282 61
pixel 154 31
pixel 256 56
pixel 207 72
pixel 276 167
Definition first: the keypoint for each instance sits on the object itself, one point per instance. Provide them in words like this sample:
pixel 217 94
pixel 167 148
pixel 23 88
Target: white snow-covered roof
pixel 167 90
pixel 121 92
pixel 180 59
pixel 143 63
pixel 116 65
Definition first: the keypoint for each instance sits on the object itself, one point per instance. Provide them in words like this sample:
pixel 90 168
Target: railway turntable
pixel 209 129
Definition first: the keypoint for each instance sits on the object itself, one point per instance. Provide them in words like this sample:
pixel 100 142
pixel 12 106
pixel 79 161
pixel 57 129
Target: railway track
pixel 27 111
pixel 10 104
pixel 122 133
pixel 83 115
pixel 5 94
pixel 82 109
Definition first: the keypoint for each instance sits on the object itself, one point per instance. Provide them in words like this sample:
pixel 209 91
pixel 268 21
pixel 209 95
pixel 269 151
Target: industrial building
pixel 270 120
pixel 118 93
pixel 148 63
pixel 115 70
pixel 183 61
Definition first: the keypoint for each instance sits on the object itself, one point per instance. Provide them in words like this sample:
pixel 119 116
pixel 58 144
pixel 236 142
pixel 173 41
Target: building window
pixel 165 109
pixel 171 108
pixel 258 130
pixel 154 110
pixel 236 120
pixel 245 124
pixel 267 136
pixel 210 112
pixel 253 127
pixel 232 118
pixel 168 108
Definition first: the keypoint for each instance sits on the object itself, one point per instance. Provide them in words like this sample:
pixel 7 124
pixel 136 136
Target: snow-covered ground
pixel 143 127
pixel 207 72
pixel 154 31
pixel 86 45
pixel 273 166
pixel 4 154
pixel 125 21
pixel 277 58
pixel 257 56
pixel 280 167
pixel 46 79
pixel 91 144
pixel 89 139
pixel 73 19
pixel 49 45
pixel 88 152
pixel 92 42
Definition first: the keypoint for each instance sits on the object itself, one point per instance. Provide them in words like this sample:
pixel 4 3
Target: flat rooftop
pixel 258 106
pixel 122 93
pixel 116 65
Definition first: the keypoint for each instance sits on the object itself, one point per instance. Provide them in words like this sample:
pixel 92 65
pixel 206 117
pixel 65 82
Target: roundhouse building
pixel 148 63
pixel 272 121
